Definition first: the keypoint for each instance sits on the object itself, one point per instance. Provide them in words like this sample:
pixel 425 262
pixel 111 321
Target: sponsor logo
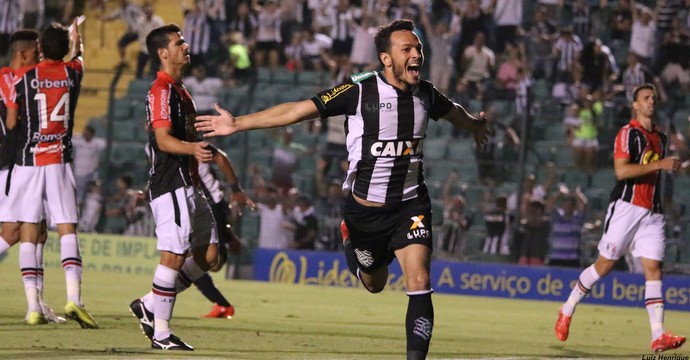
pixel 611 248
pixel 650 157
pixel 422 328
pixel 361 76
pixel 333 93
pixel 38 137
pixel 364 257
pixel 51 84
pixel 48 149
pixel 382 107
pixel 164 109
pixel 395 148
pixel 417 222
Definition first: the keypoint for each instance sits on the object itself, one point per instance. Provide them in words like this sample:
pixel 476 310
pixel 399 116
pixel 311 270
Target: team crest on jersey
pixel 396 148
pixel 423 327
pixel 364 257
pixel 333 93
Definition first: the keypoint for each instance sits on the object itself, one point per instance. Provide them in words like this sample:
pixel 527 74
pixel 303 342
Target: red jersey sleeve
pixel 621 148
pixel 159 105
pixel 76 64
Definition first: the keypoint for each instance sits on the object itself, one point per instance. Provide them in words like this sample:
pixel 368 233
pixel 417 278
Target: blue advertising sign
pixel 482 279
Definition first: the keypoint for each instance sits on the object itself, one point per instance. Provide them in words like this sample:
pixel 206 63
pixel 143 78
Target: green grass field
pixel 282 321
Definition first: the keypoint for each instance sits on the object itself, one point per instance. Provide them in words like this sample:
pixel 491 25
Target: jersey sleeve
pixel 440 104
pixel 624 140
pixel 159 106
pixel 339 100
pixel 14 94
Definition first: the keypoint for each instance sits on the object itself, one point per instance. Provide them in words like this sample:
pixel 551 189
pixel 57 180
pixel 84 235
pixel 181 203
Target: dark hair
pixel 127 179
pixel 642 87
pixel 19 38
pixel 55 41
pixel 383 37
pixel 158 39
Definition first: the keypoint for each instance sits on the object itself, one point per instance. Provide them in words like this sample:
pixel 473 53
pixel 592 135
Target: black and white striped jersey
pixel 385 130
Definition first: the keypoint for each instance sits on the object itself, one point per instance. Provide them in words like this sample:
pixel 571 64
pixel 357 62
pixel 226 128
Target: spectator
pixel 456 221
pixel 92 205
pixel 621 23
pixel 335 153
pixel 473 20
pixel 87 156
pixel 315 54
pixel 532 235
pixel 585 142
pixel 131 14
pixel 676 70
pixel 329 208
pixel 239 62
pixel 478 63
pixel 10 21
pixel 507 20
pixel 204 89
pixel 498 224
pixel 439 37
pixel 147 23
pixel 138 216
pixel 582 19
pixel 542 36
pixel 244 21
pixel 273 230
pixel 508 74
pixel 595 65
pixel 285 161
pixel 487 164
pixel 566 50
pixel 116 204
pixel 341 32
pixel 197 32
pixel 642 36
pixel 363 55
pixel 567 211
pixel 306 224
pixel 268 36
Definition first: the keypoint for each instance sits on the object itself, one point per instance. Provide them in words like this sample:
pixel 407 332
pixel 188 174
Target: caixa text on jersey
pixel 51 84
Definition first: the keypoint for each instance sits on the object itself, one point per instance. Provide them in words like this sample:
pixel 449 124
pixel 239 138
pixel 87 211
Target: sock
pixel 163 300
pixel 654 303
pixel 148 301
pixel 210 291
pixel 350 257
pixel 419 324
pixel 188 274
pixel 71 263
pixel 4 246
pixel 27 264
pixel 588 277
pixel 39 273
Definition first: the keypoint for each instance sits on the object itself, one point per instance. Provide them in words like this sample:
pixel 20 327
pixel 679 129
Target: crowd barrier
pixel 480 279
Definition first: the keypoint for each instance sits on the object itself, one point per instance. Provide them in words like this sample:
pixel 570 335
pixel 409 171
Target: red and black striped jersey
pixel 170 105
pixel 639 146
pixel 46 97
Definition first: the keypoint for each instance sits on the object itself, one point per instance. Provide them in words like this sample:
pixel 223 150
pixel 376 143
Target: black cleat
pixel 171 343
pixel 144 316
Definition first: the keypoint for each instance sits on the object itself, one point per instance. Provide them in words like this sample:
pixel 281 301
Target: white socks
pixel 588 278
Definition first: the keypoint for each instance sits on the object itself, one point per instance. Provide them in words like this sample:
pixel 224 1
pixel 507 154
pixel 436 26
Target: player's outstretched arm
pixel 460 118
pixel 75 38
pixel 280 115
pixel 624 169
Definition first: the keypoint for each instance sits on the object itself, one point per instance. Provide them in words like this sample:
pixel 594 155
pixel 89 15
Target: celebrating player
pixel 388 211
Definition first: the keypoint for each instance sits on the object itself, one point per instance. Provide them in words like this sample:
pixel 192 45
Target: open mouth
pixel 413 69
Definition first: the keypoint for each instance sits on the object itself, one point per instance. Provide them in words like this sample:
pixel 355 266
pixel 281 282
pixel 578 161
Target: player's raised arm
pixel 280 115
pixel 77 47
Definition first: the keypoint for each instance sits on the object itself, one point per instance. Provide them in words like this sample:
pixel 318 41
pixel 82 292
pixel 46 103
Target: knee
pixel 418 282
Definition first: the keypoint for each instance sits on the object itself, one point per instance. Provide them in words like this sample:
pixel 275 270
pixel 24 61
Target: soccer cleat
pixel 667 341
pixel 218 312
pixel 344 232
pixel 144 316
pixel 562 326
pixel 171 343
pixel 51 316
pixel 35 318
pixel 80 315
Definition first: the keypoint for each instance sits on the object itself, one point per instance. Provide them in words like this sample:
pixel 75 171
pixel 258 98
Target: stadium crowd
pixel 585 57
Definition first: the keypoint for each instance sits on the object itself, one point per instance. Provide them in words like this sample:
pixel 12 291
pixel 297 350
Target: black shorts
pixel 376 232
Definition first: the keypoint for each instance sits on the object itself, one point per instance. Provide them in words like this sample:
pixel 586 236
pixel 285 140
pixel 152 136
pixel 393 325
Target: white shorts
pixel 633 227
pixel 183 221
pixel 586 143
pixel 31 185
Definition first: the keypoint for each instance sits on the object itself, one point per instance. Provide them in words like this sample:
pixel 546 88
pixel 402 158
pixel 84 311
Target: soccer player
pixel 634 220
pixel 42 116
pixel 388 211
pixel 227 241
pixel 184 221
pixel 23 49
